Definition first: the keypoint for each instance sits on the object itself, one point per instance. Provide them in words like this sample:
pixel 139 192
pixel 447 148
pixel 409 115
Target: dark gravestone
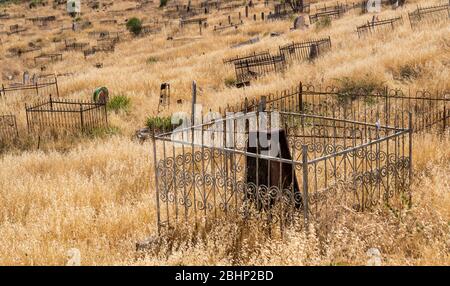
pixel 271 173
pixel 313 52
pixel 299 23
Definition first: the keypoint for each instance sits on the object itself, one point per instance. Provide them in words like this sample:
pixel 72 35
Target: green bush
pixel 119 102
pixel 323 23
pixel 134 25
pixel 163 3
pixel 409 72
pixel 161 123
pixel 230 81
pixel 152 60
pixel 350 89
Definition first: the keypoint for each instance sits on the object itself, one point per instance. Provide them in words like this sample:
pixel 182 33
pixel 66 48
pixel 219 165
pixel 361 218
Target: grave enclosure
pixel 64 115
pixel 294 167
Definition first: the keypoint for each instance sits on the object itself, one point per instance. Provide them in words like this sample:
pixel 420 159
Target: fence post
pixel 106 113
pixel 262 104
pixel 305 182
pixel 57 88
pixel 246 11
pixel 37 89
pixel 155 166
pixel 445 118
pixel 28 120
pixel 410 133
pixel 300 97
pixel 81 117
pixel 386 106
pixel 51 102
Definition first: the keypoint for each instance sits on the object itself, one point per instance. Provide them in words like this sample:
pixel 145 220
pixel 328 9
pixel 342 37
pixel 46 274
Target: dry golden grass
pixel 96 194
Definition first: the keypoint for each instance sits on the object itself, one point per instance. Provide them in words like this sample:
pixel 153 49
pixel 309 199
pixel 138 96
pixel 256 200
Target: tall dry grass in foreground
pixel 96 194
pixel 98 198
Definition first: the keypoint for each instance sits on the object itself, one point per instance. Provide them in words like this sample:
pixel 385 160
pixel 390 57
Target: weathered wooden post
pixel 81 117
pixel 262 16
pixel 246 11
pixel 254 17
pixel 229 19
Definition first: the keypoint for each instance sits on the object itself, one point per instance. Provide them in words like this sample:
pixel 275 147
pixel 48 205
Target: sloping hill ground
pixel 95 193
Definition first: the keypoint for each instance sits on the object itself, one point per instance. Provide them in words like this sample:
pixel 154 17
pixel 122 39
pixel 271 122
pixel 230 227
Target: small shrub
pixel 161 124
pixel 408 72
pixel 152 60
pixel 163 3
pixel 119 102
pixel 324 22
pixel 230 81
pixel 134 25
pixel 350 89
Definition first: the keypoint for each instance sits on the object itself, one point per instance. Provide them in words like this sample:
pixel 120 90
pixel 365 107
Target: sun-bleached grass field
pixel 97 193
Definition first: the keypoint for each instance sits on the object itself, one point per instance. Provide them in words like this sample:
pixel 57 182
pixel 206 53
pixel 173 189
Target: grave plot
pixel 272 167
pixel 8 128
pixel 20 51
pixel 47 58
pixel 30 89
pixel 15 29
pixel 332 14
pixel 231 26
pixel 104 48
pixel 334 7
pixel 194 21
pixel 70 45
pixel 281 11
pixel 388 106
pixel 42 21
pixel 428 15
pixel 308 50
pixel 64 115
pixel 379 26
pixel 257 66
pixel 150 29
pixel 108 21
pixel 249 56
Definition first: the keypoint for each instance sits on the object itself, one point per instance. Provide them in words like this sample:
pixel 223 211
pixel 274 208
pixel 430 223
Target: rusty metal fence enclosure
pixel 65 115
pixel 259 65
pixel 41 87
pixel 246 57
pixel 377 26
pixel 337 13
pixel 387 106
pixel 225 169
pixel 430 14
pixel 305 50
pixel 8 128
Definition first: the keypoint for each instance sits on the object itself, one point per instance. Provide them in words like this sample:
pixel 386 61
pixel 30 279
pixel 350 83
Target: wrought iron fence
pixel 305 50
pixel 387 106
pixel 430 14
pixel 259 65
pixel 336 13
pixel 40 88
pixel 246 57
pixel 65 115
pixel 381 25
pixel 8 128
pixel 291 166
